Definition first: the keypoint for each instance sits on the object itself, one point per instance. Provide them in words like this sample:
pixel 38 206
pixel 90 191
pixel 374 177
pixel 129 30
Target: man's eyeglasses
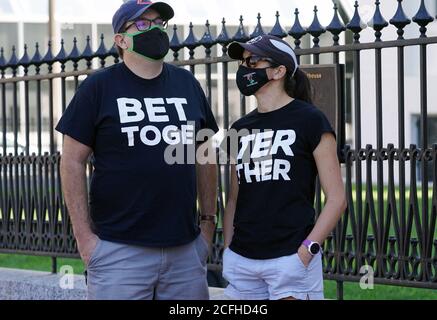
pixel 145 24
pixel 253 60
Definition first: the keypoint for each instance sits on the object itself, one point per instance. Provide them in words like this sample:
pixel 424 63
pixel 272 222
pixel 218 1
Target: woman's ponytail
pixel 298 86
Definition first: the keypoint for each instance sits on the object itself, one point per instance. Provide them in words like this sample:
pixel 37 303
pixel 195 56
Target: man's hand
pixel 86 246
pixel 304 256
pixel 207 231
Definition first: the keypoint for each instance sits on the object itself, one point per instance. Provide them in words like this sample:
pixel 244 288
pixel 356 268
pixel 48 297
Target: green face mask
pixel 152 44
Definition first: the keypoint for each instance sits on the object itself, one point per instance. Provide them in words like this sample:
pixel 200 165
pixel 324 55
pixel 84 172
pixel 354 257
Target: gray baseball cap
pixel 268 47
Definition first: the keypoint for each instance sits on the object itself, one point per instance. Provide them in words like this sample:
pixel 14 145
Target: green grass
pixel 352 291
pixel 38 263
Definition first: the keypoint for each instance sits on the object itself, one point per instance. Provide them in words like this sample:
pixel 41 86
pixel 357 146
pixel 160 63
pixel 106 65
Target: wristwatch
pixel 313 247
pixel 210 218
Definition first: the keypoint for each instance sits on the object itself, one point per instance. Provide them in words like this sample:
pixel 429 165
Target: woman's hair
pixel 298 86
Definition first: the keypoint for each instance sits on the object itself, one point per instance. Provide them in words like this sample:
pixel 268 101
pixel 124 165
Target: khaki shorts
pixel 272 279
pixel 124 272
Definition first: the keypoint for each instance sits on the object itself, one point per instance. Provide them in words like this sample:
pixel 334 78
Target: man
pixel 139 238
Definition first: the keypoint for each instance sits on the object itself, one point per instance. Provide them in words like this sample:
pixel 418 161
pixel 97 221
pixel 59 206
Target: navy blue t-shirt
pixel 276 172
pixel 136 196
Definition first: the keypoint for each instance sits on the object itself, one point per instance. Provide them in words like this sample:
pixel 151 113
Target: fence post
pixel 54 265
pixel 340 290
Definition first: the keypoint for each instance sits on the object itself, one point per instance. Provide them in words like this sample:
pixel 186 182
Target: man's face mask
pixel 152 44
pixel 250 80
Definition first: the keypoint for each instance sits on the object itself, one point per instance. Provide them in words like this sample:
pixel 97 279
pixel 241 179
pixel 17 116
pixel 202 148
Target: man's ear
pixel 120 41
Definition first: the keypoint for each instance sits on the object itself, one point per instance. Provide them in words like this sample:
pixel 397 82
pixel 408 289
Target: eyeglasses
pixel 253 60
pixel 145 24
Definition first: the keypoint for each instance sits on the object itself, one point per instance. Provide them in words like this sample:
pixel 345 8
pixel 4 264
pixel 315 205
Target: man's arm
pixel 73 176
pixel 207 194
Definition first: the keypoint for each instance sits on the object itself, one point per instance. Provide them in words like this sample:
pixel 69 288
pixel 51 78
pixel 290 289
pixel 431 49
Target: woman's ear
pixel 279 72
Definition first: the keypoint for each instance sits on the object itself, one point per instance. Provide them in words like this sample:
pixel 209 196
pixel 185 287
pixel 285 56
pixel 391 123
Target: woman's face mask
pixel 152 44
pixel 250 80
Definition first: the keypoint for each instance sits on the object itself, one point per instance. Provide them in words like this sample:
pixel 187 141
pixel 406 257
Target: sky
pixel 196 11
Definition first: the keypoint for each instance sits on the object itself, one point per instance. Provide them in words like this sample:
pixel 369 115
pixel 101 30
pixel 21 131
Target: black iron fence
pixel 390 223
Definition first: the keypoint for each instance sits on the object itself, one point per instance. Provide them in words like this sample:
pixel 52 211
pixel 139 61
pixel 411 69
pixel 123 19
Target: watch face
pixel 314 248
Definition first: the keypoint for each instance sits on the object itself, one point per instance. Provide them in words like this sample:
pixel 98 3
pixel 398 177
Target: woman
pixel 272 243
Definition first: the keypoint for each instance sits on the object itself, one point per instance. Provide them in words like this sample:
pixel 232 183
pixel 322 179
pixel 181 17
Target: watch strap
pixel 208 218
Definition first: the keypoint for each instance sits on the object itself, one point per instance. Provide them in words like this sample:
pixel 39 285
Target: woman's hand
pixel 304 256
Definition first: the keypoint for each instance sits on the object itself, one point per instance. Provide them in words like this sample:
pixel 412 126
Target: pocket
pixel 225 255
pixel 300 262
pixel 226 265
pixel 225 251
pixel 205 243
pixel 202 249
pixel 95 253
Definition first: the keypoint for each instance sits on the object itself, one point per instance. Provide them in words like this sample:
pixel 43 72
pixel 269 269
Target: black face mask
pixel 250 80
pixel 152 44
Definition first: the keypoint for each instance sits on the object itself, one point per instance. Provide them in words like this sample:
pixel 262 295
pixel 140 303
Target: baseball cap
pixel 267 46
pixel 133 9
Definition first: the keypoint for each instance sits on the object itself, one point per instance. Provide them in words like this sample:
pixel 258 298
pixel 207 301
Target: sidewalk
pixel 35 285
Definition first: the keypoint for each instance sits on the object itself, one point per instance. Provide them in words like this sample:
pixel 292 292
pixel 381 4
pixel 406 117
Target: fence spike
pixel 356 25
pixel 241 35
pixel 316 29
pixel 24 61
pixel 336 27
pixel 2 58
pixel 101 51
pixel 423 18
pixel 277 30
pixel 36 59
pixel 207 40
pixel 113 52
pixel 258 29
pixel 88 52
pixel 378 22
pixel 13 61
pixel 74 54
pixel 297 31
pixel 175 44
pixel 48 58
pixel 191 42
pixel 400 20
pixel 223 38
pixel 62 55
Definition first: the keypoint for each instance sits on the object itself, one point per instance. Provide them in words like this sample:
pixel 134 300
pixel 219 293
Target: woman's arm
pixel 331 181
pixel 228 223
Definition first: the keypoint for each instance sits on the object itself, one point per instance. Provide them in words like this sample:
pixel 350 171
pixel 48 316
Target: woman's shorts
pixel 272 279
